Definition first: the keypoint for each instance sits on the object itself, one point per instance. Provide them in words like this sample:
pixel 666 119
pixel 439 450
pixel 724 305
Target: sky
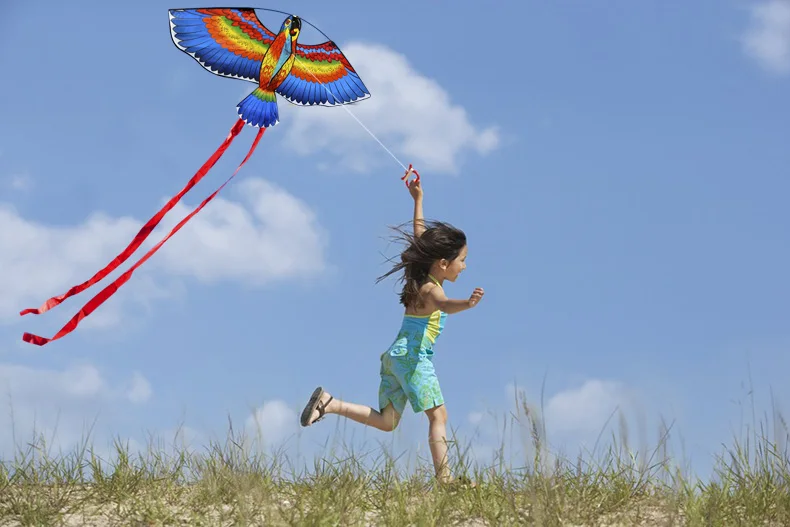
pixel 620 172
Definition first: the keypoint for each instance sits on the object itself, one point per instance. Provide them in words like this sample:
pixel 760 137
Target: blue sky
pixel 621 175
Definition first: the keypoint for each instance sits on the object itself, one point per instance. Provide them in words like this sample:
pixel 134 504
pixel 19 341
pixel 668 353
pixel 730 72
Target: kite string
pixel 335 98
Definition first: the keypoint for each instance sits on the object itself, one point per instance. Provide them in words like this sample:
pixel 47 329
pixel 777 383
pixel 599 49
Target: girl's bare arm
pixel 415 189
pixel 451 306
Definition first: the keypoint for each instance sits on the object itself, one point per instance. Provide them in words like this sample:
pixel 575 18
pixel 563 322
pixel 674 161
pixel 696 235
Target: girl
pixel 433 255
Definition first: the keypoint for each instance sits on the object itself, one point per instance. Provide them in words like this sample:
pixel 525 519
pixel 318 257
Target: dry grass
pixel 232 483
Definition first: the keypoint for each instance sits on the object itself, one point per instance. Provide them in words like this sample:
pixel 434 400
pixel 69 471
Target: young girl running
pixel 434 254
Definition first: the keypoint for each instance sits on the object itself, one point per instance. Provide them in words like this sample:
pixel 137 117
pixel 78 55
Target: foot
pixel 459 483
pixel 317 407
pixel 327 403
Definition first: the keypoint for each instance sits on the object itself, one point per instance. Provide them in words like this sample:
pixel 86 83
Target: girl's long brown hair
pixel 439 241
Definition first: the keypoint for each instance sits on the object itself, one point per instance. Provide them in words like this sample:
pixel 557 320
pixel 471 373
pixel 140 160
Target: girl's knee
pixel 391 418
pixel 437 414
pixel 391 423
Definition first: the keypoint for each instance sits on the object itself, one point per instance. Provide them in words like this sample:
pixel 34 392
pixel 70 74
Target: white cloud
pixel 139 389
pixel 186 437
pixel 475 418
pixel 58 403
pixel 272 423
pixel 20 182
pixel 79 382
pixel 768 37
pixel 76 382
pixel 566 421
pixel 410 113
pixel 37 261
pixel 266 235
pixel 586 409
pixel 173 441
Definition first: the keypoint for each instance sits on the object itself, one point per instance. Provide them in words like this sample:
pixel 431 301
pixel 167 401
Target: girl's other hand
pixel 477 295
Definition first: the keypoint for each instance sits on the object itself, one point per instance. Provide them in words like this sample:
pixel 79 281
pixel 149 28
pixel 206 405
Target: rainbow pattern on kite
pixel 232 42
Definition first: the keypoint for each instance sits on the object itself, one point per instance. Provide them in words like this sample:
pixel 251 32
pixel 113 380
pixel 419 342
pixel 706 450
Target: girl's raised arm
pixel 419 220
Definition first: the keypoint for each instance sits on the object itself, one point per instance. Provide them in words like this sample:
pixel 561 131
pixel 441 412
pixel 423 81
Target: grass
pixel 231 482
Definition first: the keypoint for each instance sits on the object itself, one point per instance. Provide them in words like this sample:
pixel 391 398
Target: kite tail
pixel 110 290
pixel 259 108
pixel 144 232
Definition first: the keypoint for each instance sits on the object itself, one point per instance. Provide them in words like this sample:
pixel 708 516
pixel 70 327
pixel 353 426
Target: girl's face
pixel 455 267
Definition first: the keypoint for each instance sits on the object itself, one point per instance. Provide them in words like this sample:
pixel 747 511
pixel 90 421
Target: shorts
pixel 410 376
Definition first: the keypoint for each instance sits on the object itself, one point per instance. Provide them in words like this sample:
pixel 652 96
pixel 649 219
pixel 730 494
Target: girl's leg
pixel 437 440
pixel 385 421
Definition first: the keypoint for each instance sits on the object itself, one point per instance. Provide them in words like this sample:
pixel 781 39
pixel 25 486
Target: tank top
pixel 418 333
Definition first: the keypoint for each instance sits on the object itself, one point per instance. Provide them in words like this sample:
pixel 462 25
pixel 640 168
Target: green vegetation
pixel 232 483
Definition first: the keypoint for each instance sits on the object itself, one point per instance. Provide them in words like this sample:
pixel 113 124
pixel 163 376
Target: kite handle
pixel 410 170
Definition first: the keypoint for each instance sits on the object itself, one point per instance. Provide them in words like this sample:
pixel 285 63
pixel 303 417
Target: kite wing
pixel 227 42
pixel 322 75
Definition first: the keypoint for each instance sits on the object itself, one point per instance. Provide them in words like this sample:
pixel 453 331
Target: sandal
pixel 314 404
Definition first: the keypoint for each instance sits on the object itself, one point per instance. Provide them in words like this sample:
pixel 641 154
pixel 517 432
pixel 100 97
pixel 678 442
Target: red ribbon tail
pixel 110 290
pixel 146 229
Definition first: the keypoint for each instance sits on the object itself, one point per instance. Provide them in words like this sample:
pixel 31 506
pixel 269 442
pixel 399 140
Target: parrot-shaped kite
pixel 233 43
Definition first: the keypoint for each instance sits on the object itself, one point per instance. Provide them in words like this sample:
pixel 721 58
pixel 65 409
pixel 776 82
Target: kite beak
pixel 296 26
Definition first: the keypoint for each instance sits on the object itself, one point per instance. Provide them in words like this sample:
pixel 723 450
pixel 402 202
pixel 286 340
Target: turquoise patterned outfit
pixel 407 366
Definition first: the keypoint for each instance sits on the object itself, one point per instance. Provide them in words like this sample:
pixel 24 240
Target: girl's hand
pixel 415 189
pixel 477 295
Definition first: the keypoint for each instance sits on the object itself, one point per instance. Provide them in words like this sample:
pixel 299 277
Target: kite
pixel 232 42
